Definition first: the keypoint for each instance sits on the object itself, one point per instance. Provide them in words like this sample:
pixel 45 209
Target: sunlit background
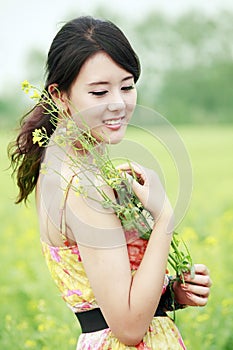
pixel 186 51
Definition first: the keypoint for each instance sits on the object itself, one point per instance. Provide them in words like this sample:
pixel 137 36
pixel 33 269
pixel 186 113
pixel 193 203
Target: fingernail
pixel 184 286
pixel 188 294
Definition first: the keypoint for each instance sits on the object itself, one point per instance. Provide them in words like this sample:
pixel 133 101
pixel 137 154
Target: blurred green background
pixel 187 75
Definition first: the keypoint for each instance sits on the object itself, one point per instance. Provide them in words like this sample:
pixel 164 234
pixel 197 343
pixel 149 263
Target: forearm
pixel 148 281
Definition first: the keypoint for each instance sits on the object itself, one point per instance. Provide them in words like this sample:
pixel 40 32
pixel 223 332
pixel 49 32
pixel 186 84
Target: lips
pixel 114 122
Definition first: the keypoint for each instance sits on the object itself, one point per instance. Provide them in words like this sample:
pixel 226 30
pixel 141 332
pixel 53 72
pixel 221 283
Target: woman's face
pixel 103 98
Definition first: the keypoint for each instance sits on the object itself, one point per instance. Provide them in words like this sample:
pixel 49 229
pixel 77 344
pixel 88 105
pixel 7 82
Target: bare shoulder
pixel 92 224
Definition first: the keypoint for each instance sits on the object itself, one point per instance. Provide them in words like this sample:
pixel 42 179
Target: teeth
pixel 112 122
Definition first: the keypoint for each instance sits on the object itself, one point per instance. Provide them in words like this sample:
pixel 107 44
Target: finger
pixel 134 170
pixel 203 280
pixel 201 269
pixel 199 290
pixel 129 167
pixel 196 300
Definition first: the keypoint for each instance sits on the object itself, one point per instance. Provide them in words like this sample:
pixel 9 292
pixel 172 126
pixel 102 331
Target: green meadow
pixel 32 314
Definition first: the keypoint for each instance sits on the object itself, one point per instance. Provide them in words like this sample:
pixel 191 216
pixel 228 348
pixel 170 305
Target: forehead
pixel 101 66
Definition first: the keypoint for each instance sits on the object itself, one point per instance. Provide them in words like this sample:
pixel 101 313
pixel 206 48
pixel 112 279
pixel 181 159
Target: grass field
pixel 32 314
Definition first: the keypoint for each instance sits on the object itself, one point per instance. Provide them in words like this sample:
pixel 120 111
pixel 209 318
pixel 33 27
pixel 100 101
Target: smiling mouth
pixel 114 121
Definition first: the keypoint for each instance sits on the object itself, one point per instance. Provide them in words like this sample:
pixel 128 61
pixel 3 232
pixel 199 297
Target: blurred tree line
pixel 187 67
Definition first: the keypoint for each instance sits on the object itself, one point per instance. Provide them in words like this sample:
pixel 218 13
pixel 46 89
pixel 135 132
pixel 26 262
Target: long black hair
pixel 76 41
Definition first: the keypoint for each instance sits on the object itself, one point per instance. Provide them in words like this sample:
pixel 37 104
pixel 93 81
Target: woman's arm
pixel 128 303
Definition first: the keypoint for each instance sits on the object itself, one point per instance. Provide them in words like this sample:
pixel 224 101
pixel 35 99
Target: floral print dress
pixel 67 271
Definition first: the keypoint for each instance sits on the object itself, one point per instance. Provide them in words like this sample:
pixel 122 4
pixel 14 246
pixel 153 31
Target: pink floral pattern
pixel 67 270
pixel 162 335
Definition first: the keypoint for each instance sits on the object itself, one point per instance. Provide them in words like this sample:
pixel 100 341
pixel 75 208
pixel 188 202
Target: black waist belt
pixel 93 320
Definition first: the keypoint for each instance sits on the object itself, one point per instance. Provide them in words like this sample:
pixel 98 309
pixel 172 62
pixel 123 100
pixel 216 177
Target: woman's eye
pixel 127 88
pixel 98 93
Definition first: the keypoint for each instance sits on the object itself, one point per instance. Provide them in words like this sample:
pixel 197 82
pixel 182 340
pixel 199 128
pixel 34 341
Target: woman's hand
pixel 150 192
pixel 194 292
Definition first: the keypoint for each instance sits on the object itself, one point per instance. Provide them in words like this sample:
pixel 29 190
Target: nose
pixel 116 103
pixel 116 106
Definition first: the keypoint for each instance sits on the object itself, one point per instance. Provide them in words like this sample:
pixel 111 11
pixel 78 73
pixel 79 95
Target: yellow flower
pixel 37 137
pixel 203 317
pixel 189 234
pixel 25 86
pixel 211 241
pixel 35 96
pixel 72 341
pixel 30 344
pixel 41 327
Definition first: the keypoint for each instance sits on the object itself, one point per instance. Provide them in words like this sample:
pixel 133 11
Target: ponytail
pixel 25 156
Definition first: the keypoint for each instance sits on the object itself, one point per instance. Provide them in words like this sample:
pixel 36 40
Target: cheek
pixel 132 100
pixel 78 104
pixel 131 107
pixel 90 117
pixel 80 101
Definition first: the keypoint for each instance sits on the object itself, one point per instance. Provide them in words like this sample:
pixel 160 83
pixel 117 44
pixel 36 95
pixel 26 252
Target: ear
pixel 59 97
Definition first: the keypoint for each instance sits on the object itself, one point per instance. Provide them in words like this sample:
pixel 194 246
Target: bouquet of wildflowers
pixel 133 216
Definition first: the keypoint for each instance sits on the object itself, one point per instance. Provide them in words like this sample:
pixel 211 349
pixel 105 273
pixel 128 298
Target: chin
pixel 115 138
pixel 115 142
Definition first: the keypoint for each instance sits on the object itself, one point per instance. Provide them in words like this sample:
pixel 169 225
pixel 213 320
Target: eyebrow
pixel 106 82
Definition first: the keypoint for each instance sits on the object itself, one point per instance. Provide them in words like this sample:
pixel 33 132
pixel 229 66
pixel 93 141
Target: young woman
pixel 92 69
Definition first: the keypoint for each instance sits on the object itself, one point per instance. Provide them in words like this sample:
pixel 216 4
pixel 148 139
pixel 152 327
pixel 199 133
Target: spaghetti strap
pixel 63 230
